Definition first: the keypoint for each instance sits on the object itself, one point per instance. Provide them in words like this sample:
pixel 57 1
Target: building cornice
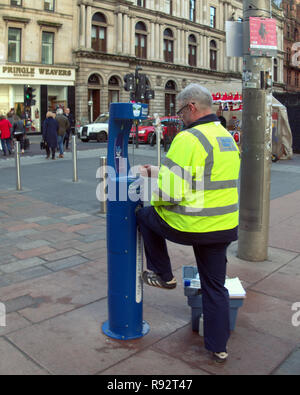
pixel 133 61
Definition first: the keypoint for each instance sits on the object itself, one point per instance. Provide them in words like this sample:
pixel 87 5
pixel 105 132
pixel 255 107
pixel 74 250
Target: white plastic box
pixel 237 295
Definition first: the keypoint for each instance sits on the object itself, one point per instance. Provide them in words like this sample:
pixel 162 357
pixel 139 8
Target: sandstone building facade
pixel 76 53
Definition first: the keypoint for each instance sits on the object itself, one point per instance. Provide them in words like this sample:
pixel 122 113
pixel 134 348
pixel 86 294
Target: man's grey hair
pixel 59 111
pixel 197 94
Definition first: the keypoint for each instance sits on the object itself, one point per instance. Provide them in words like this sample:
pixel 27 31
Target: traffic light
pixel 129 82
pixel 139 86
pixel 29 96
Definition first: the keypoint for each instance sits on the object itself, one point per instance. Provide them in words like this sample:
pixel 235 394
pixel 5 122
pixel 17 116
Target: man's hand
pixel 149 171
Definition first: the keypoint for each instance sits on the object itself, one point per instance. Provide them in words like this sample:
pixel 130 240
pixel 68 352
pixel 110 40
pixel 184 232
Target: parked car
pixel 98 130
pixel 146 129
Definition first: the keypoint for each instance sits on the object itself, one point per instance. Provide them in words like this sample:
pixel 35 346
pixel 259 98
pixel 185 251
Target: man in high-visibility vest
pixel 196 203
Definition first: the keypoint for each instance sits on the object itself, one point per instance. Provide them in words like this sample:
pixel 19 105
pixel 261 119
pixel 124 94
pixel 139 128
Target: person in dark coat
pixel 71 120
pixel 50 129
pixel 19 131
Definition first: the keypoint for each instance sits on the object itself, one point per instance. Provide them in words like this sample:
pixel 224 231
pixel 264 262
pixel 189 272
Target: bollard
pixel 74 156
pixel 103 173
pixel 158 131
pixel 18 169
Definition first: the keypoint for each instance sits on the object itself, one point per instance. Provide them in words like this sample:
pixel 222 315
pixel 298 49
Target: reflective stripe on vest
pixel 225 144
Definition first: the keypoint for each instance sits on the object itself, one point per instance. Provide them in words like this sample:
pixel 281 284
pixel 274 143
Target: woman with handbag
pixel 50 128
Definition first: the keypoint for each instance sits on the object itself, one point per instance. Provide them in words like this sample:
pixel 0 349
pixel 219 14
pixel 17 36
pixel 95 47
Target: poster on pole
pixel 263 37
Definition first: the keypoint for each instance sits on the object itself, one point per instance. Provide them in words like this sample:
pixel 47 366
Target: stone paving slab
pixel 55 287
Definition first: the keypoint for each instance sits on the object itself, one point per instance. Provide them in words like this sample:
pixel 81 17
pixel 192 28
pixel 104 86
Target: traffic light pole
pixel 256 144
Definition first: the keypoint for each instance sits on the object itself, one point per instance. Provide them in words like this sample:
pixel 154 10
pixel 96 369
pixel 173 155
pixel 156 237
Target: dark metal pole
pixel 256 144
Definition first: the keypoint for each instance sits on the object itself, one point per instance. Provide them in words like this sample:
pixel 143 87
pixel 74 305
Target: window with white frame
pixel 99 32
pixel 141 3
pixel 169 7
pixel 192 13
pixel 14 45
pixel 16 3
pixel 192 50
pixel 47 48
pixel 212 21
pixel 140 40
pixel 49 5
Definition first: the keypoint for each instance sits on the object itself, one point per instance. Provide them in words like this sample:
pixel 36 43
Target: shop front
pixel 53 87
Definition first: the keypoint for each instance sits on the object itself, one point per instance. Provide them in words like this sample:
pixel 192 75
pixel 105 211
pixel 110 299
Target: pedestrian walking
pixel 71 120
pixel 63 126
pixel 19 131
pixel 50 130
pixel 12 118
pixel 196 203
pixel 5 134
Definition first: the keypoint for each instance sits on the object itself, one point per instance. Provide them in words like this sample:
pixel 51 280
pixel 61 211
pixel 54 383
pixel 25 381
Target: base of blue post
pixel 108 332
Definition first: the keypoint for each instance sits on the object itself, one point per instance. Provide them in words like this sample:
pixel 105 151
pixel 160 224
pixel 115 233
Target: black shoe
pixel 220 357
pixel 9 152
pixel 4 153
pixel 155 280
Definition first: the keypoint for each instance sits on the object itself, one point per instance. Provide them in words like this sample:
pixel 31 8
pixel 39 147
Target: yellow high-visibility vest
pixel 197 186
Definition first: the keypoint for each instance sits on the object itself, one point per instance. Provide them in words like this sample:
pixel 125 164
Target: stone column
pixel 119 32
pixel 126 35
pixel 82 25
pixel 88 35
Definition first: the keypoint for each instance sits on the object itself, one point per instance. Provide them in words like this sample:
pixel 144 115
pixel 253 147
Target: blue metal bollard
pixel 125 300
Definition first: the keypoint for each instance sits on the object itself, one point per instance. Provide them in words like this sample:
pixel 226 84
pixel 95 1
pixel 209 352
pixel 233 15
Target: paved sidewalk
pixel 54 287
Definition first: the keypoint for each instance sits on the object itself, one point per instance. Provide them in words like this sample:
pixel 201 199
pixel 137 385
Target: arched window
pixel 170 98
pixel 94 79
pixel 192 50
pixel 213 55
pixel 140 40
pixel 168 46
pixel 113 90
pixel 94 88
pixel 99 32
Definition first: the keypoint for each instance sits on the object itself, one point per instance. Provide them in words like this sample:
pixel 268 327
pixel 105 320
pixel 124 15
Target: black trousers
pixel 211 262
pixel 20 138
pixel 48 151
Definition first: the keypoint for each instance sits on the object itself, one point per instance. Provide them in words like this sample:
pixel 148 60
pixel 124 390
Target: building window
pixel 289 77
pixel 170 98
pixel 213 55
pixel 288 55
pixel 16 3
pixel 192 14
pixel 49 5
pixel 192 50
pixel 212 22
pixel 275 70
pixel 168 46
pixel 297 79
pixel 140 40
pixel 47 48
pixel 113 90
pixel 99 32
pixel 141 3
pixel 169 7
pixel 14 45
